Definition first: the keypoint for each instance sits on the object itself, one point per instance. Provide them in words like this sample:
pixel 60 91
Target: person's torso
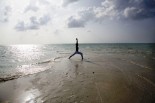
pixel 77 47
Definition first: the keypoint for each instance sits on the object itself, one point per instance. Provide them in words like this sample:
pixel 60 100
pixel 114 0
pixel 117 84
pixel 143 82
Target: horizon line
pixel 70 43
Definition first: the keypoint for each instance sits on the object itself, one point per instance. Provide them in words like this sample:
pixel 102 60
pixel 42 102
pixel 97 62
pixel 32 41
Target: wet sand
pixel 97 79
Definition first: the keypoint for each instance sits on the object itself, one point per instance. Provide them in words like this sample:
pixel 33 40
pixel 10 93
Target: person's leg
pixel 81 55
pixel 72 55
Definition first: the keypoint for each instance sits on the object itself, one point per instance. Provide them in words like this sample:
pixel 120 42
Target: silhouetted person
pixel 77 50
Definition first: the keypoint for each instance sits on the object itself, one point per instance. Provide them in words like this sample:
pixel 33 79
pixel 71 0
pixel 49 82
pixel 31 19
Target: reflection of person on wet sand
pixel 77 50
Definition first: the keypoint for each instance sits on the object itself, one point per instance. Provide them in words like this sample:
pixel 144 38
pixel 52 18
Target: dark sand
pixel 97 79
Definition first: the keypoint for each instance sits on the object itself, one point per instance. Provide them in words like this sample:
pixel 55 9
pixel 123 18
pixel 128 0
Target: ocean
pixel 21 60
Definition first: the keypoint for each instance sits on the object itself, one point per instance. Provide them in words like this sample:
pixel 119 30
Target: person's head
pixel 76 39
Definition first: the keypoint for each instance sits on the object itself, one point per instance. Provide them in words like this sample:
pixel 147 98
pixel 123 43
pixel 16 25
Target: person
pixel 77 50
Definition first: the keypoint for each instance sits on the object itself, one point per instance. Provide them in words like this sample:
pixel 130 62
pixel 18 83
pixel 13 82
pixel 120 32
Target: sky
pixel 91 21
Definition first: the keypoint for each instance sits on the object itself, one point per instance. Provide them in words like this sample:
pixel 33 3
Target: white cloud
pixel 31 8
pixel 34 17
pixel 33 23
pixel 35 4
pixel 81 19
pixel 44 20
pixel 132 12
pixel 67 2
pixel 21 26
pixel 45 2
pixel 74 23
pixel 114 10
pixel 5 12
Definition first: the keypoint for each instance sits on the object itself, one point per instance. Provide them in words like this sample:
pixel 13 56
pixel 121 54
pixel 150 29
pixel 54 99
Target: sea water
pixel 20 60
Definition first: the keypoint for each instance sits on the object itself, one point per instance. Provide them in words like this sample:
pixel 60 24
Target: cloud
pixel 34 5
pixel 20 26
pixel 74 23
pixel 81 19
pixel 5 12
pixel 67 2
pixel 45 2
pixel 44 20
pixel 134 13
pixel 128 9
pixel 114 9
pixel 134 9
pixel 31 8
pixel 33 24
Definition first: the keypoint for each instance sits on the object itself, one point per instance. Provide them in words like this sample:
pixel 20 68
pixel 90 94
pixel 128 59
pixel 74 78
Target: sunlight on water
pixel 20 60
pixel 26 52
pixel 29 96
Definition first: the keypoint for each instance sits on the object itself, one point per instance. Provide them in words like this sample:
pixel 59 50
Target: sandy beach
pixel 97 79
pixel 77 51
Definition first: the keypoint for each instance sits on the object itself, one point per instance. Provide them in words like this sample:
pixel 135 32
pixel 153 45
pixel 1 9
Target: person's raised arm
pixel 76 40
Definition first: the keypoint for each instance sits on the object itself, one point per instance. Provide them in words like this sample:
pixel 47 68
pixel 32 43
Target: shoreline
pixel 97 79
pixel 17 75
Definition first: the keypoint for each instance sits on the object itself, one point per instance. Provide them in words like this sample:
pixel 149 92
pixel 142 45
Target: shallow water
pixel 20 60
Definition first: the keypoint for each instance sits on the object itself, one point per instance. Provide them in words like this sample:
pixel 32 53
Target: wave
pixel 49 60
pixel 7 78
pixel 29 69
pixel 43 62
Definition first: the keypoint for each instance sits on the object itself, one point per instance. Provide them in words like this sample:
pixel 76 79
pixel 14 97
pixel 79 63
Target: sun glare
pixel 26 52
